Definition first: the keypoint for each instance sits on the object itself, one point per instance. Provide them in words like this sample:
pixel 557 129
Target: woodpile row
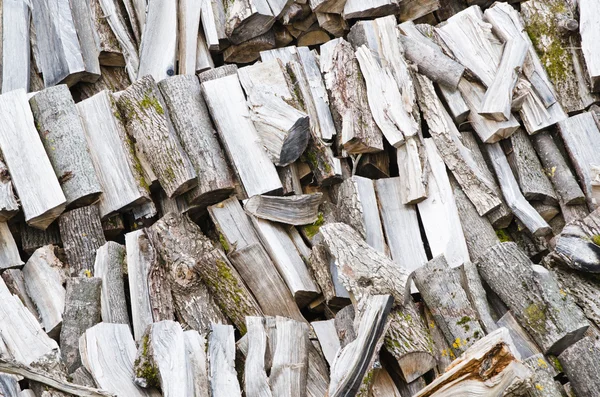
pixel 308 198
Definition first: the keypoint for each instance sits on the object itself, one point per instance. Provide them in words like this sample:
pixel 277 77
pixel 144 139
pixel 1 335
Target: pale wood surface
pixel 588 28
pixel 293 210
pixel 370 8
pixel 256 383
pixel 221 353
pixel 158 47
pixel 196 351
pixel 289 370
pixel 9 252
pixel 16 54
pixel 109 266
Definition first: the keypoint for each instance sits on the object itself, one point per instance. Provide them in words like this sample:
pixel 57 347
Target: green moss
pixel 312 159
pixel 596 239
pixel 145 369
pixel 151 102
pixel 476 334
pixel 555 363
pixel 503 236
pixel 464 322
pixel 223 243
pixel 535 316
pixel 170 174
pixel 312 230
pixel 226 286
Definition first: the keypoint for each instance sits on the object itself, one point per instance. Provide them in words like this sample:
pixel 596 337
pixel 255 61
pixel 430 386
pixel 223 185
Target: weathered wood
pixel 147 122
pixel 324 270
pixel 532 294
pixel 414 9
pixel 9 253
pixel 117 168
pixel 249 51
pixel 221 353
pixel 32 238
pixel 82 311
pixel 195 348
pixel 580 135
pixel 292 210
pixel 191 120
pixel 256 383
pixel 370 8
pixel 15 45
pixel 290 358
pixel 577 362
pixel 589 42
pixel 204 60
pixel 357 206
pixel 512 194
pixel 335 24
pixel 238 135
pixel 213 24
pixel 188 20
pixel 44 285
pixel 113 79
pixel 113 226
pixel 107 46
pixel 349 102
pixel 8 201
pixel 557 169
pixel 543 377
pixel 158 47
pixel 521 339
pixel 107 352
pixel 81 233
pixel 15 282
pixel 413 170
pixel 61 130
pixel 353 361
pixel 246 19
pixel 109 267
pixel 30 169
pixel 184 248
pixel 439 214
pixel 61 56
pixel 576 245
pixel 471 283
pixel 328 338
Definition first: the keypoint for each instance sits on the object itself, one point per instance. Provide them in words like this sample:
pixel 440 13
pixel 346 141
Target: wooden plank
pixel 15 45
pixel 109 267
pixel 158 47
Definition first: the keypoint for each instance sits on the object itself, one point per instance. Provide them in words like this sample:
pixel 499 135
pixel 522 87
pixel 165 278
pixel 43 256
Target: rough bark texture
pixel 578 363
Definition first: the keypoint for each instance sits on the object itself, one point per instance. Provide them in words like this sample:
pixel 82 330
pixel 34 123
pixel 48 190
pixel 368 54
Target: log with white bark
pixel 9 254
pixel 195 348
pixel 221 353
pixel 44 285
pixel 370 8
pixel 61 131
pixel 353 361
pixel 439 213
pixel 109 267
pixel 82 311
pixel 581 135
pixel 81 233
pixel 289 370
pixel 292 210
pixel 117 168
pixel 148 123
pixel 62 57
pixel 577 362
pixel 30 169
pixel 188 20
pixel 191 120
pixel 246 19
pixel 227 105
pixel 512 194
pixel 161 360
pixel 349 103
pixel 15 282
pixel 256 383
pixel 521 339
pixel 577 244
pixel 589 40
pixel 288 261
pixel 158 47
pixel 181 244
pixel 456 156
pixel 357 207
pixel 16 53
pixel 276 110
pixel 108 352
pixel 249 51
pixel 532 294
pixel 328 338
pixel 491 367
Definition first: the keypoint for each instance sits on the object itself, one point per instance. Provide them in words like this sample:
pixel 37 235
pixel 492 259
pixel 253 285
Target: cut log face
pixel 221 353
pixel 238 135
pixel 576 245
pixel 16 53
pixel 533 296
pixel 370 8
pixel 158 48
pixel 109 267
pixel 246 19
pixel 577 362
pixel 31 171
pixel 292 210
pixel 589 41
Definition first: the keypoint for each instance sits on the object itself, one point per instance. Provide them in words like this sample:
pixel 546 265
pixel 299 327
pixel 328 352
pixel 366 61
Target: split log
pixel 32 238
pixel 589 45
pixel 249 51
pixel 577 244
pixel 30 169
pixel 328 339
pixel 400 224
pixel 195 348
pixel 456 105
pixel 532 294
pixel 188 20
pixel 188 113
pixel 109 267
pixel 184 249
pixel 147 122
pixel 292 210
pixel 543 377
pixel 204 60
pixel 276 110
pixel 491 367
pixel 439 213
pixel 246 19
pixel 359 131
pixel 498 98
pixel 161 360
pixel 357 207
pixel 44 285
pixel 512 194
pixel 288 261
pixel 61 130
pixel 521 339
pixel 289 369
pixel 335 24
pixel 333 6
pixel 238 135
pixel 411 10
pixel 471 283
pixel 15 45
pixel 556 168
pixel 213 25
pixel 580 135
pixel 15 282
pixel 324 270
pixel 290 179
pixel 136 14
pixel 456 156
pixel 456 318
pixel 82 311
pixel 62 58
pixel 9 385
pixel 314 36
pixel 158 47
pixel 256 383
pixel 108 352
pixel 8 202
pixel 584 289
pixel 81 233
pixel 371 8
pixel 251 260
pixel 9 254
pixel 577 362
pixel 413 170
pixel 107 45
pixel 113 79
pixel 221 352
pixel 353 361
pixel 117 168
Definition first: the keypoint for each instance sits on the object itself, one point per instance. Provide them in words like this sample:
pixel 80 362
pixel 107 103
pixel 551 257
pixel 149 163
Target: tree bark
pixel 577 362
pixel 576 245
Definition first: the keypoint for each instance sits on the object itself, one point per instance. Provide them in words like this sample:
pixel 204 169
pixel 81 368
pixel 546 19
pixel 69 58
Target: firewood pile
pixel 378 198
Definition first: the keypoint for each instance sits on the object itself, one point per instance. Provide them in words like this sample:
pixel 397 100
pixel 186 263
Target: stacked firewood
pixel 300 198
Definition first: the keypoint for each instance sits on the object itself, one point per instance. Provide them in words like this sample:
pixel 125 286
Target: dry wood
pixel 589 41
pixel 370 8
pixel 328 338
pixel 256 383
pixel 188 20
pixel 15 282
pixel 335 24
pixel 195 347
pixel 473 286
pixel 32 238
pixel 213 24
pixel 532 294
pixel 249 51
pixel 324 271
pixel 191 120
pixel 576 245
pixel 109 267
pixel 107 45
pixel 238 135
pixel 292 210
pixel 543 377
pixel 413 170
pixel 221 353
pixel 15 45
pixel 9 253
pixel 577 362
pixel 30 169
pixel 204 60
pixel 8 201
pixel 583 288
pixel 289 370
pixel 521 339
pixel 333 6
pixel 158 47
